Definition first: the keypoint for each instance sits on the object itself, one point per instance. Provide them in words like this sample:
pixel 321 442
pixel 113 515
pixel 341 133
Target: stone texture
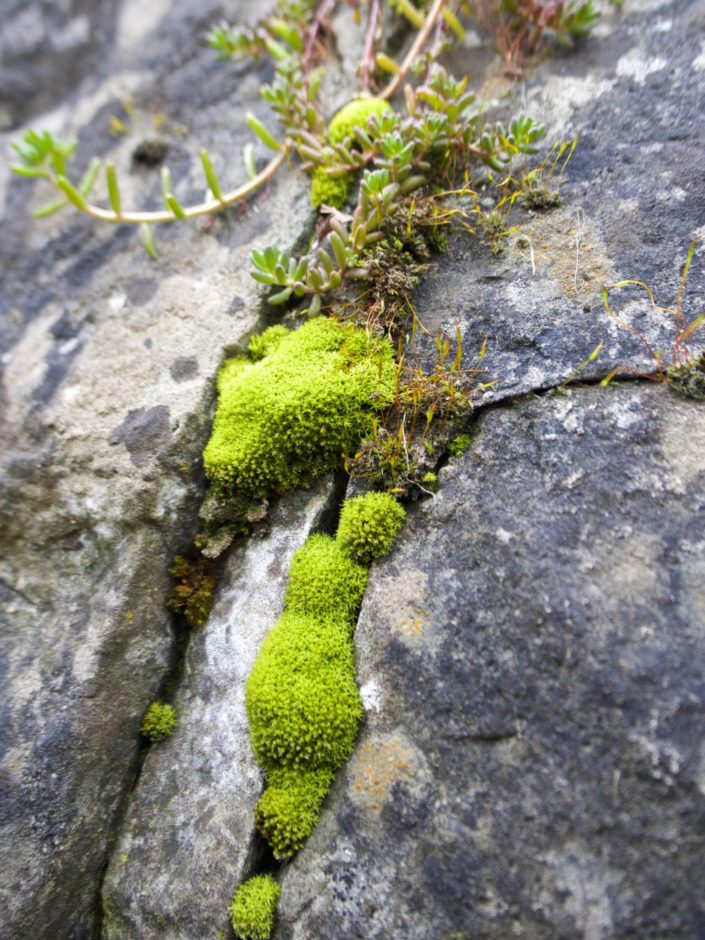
pixel 104 417
pixel 633 194
pixel 188 835
pixel 530 656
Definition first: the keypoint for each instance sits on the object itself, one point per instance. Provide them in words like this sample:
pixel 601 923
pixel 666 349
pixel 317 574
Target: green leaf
pixel 113 188
pixel 211 176
pixel 71 193
pixel 49 208
pixel 147 238
pixel 90 176
pixel 264 135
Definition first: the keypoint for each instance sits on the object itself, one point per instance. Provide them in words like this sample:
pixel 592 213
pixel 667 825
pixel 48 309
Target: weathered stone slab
pixel 107 385
pixel 531 658
pixel 632 195
pixel 188 831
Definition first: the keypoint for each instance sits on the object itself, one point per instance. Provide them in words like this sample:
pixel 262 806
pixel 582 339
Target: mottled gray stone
pixel 188 834
pixel 530 657
pixel 89 328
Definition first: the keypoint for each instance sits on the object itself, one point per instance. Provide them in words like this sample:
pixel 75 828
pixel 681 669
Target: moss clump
pixel 159 721
pixel 295 412
pixel 302 702
pixel 325 583
pixel 355 114
pixel 253 908
pixel 689 379
pixel 459 445
pixel 303 706
pixel 193 593
pixel 289 808
pixel 266 342
pixel 369 525
pixel 329 190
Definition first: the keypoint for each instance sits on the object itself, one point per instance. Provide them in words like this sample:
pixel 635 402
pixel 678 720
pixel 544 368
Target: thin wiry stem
pixel 316 24
pixel 369 50
pixel 193 212
pixel 416 47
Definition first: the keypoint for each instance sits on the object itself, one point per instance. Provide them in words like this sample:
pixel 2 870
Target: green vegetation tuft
pixel 312 398
pixel 266 342
pixel 325 583
pixel 459 445
pixel 159 721
pixel 253 908
pixel 302 701
pixel 355 114
pixel 288 810
pixel 689 379
pixel 329 190
pixel 368 526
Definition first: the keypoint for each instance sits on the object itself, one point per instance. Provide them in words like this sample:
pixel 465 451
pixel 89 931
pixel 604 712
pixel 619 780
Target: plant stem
pixel 316 23
pixel 417 46
pixel 204 208
pixel 369 51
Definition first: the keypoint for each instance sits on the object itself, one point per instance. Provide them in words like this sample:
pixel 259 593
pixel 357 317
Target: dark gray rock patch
pixel 184 368
pixel 145 432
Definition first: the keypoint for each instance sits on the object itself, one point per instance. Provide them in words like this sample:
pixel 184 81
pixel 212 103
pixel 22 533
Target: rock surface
pixel 530 656
pixel 188 835
pixel 532 763
pixel 107 387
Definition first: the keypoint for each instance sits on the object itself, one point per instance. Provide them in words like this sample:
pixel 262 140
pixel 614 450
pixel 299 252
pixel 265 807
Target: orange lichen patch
pixel 378 766
pixel 563 246
pixel 411 627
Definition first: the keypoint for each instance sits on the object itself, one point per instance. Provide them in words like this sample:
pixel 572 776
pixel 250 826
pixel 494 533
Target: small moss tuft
pixel 459 445
pixel 296 411
pixel 325 583
pixel 253 908
pixel 329 190
pixel 302 702
pixel 288 810
pixel 355 114
pixel 159 721
pixel 689 379
pixel 368 526
pixel 266 342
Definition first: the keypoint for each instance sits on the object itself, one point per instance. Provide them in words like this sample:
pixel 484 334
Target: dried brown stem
pixel 316 24
pixel 416 47
pixel 367 63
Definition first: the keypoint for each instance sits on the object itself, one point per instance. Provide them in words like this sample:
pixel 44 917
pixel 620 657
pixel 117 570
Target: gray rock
pixel 100 475
pixel 632 193
pixel 188 835
pixel 530 656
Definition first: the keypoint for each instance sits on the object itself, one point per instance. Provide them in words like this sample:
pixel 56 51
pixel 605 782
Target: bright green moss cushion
pixel 368 526
pixel 289 808
pixel 303 706
pixel 296 411
pixel 325 583
pixel 254 907
pixel 355 114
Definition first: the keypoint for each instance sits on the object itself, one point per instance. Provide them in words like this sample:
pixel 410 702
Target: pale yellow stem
pixel 417 46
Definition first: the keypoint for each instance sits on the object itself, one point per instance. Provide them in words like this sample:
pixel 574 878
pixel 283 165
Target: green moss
pixel 302 702
pixel 459 445
pixel 289 808
pixel 253 908
pixel 296 411
pixel 159 721
pixel 325 583
pixel 689 379
pixel 266 342
pixel 369 525
pixel 430 481
pixel 329 190
pixel 355 114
